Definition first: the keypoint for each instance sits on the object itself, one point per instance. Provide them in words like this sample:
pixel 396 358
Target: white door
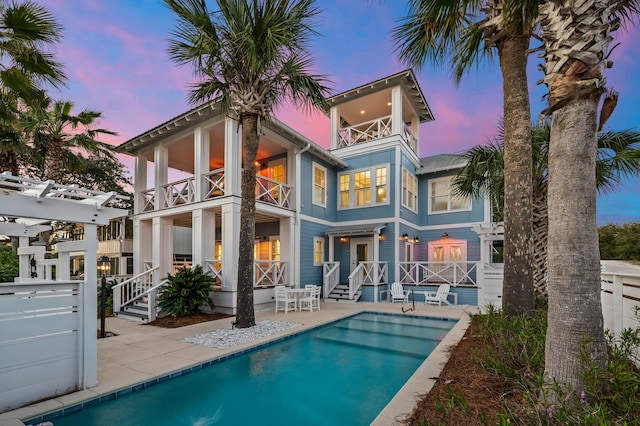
pixel 361 251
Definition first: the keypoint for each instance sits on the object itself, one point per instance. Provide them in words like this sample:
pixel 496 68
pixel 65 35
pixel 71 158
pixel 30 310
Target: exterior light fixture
pixel 445 235
pixel 405 237
pixel 104 265
pixel 416 240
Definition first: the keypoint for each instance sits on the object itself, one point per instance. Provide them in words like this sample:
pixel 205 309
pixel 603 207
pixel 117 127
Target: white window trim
pixel 321 240
pixel 313 184
pixel 449 179
pixel 372 187
pixel 415 190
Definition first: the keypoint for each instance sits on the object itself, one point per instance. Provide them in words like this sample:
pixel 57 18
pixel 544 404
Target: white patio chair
pixel 398 294
pixel 311 301
pixel 282 298
pixel 437 297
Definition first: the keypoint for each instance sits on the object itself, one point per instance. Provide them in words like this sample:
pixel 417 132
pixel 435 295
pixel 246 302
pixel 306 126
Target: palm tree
pixel 58 138
pixel 576 36
pixel 618 157
pixel 27 30
pixel 252 55
pixel 462 31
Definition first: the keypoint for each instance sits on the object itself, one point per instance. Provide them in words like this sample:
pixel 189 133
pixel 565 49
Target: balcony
pixel 371 130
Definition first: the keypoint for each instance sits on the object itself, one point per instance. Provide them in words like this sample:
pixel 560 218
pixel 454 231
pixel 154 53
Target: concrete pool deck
pixel 140 352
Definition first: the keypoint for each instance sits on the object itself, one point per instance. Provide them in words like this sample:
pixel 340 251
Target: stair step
pixel 133 316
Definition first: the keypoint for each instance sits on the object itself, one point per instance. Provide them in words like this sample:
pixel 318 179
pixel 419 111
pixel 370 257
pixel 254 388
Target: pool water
pixel 344 373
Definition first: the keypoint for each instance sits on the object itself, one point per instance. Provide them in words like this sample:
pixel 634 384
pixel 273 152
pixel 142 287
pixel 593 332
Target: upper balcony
pixel 387 107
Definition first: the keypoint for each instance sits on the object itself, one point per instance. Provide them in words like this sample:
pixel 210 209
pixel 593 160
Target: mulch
pixel 175 322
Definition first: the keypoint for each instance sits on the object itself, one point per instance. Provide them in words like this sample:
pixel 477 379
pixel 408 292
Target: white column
pixel 232 157
pixel 140 174
pixel 89 356
pixel 163 245
pixel 376 258
pixel 331 248
pixel 396 111
pixel 230 245
pixel 161 173
pixel 200 161
pixel 335 126
pixel 142 236
pixel 287 249
pixel 203 236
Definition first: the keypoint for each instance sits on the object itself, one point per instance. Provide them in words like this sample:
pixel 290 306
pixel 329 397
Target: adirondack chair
pixel 398 294
pixel 437 297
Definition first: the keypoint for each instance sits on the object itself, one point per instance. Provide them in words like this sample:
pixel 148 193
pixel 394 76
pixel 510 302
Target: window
pixel 442 199
pixel 409 190
pixel 319 185
pixel 318 251
pixel 363 187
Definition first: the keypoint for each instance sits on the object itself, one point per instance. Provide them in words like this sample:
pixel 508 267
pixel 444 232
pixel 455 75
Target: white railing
pixel 374 272
pixel 330 277
pixel 215 184
pixel 149 200
pixel 356 279
pixel 152 299
pixel 273 192
pixel 214 268
pixel 364 132
pixel 129 290
pixel 269 272
pixel 453 273
pixel 620 296
pixel 411 140
pixel 179 192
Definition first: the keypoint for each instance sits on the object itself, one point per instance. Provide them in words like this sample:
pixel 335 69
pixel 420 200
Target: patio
pixel 139 353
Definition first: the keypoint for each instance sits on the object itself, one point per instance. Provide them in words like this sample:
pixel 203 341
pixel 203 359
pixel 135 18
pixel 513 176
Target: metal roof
pixel 364 229
pixel 440 163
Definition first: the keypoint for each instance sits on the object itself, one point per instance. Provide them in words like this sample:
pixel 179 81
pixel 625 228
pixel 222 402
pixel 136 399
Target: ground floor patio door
pixel 361 251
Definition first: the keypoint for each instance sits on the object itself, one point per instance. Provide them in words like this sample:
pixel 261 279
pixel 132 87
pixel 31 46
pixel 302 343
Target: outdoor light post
pixel 104 264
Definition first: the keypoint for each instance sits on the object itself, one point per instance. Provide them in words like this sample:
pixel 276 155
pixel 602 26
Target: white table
pixel 298 293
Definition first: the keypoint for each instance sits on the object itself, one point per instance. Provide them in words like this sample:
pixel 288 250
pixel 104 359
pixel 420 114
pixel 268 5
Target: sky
pixel 114 54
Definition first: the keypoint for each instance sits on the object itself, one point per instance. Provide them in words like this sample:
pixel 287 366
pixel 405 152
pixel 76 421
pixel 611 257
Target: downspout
pixel 296 238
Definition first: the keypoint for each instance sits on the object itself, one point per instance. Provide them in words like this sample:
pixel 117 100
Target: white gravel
pixel 227 337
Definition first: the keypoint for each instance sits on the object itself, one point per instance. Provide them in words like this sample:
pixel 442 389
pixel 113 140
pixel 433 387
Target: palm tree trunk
pixel 245 316
pixel 517 293
pixel 540 236
pixel 575 309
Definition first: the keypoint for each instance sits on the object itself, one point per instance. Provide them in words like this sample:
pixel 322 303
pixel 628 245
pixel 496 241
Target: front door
pixel 361 251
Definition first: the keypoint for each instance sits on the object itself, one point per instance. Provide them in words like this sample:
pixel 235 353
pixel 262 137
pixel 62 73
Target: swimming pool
pixel 341 373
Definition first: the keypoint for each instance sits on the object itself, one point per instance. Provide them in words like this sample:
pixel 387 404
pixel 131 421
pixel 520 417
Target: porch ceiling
pixel 364 229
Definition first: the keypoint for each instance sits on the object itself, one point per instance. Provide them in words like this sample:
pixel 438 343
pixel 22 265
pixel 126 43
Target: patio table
pixel 298 293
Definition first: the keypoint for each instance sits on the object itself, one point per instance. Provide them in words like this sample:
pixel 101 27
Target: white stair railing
pixel 330 276
pixel 152 299
pixel 356 279
pixel 129 290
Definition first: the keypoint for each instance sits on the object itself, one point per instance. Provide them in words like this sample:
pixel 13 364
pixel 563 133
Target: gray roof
pixel 440 163
pixel 364 229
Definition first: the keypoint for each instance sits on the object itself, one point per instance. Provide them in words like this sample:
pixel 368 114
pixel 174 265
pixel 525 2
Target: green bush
pixel 186 291
pixel 9 264
pixel 109 296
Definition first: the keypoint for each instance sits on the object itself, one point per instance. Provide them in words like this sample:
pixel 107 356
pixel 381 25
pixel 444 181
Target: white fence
pixel 620 296
pixel 47 340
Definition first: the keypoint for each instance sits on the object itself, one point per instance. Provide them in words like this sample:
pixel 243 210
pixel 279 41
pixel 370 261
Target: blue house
pixel 353 218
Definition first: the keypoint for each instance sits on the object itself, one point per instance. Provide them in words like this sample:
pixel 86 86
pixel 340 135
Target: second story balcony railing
pixel 372 130
pixel 178 193
pixel 273 192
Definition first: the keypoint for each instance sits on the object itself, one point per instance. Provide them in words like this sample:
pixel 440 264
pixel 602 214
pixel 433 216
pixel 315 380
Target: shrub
pixel 9 264
pixel 186 291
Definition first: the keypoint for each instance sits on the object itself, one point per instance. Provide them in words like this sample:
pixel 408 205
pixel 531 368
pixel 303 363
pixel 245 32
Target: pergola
pixel 50 323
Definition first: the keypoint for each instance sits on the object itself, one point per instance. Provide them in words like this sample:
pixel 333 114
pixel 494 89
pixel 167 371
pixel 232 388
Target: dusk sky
pixel 114 52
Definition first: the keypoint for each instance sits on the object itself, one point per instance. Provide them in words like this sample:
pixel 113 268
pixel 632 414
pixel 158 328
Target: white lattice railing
pixel 148 200
pixel 330 276
pixel 411 140
pixel 214 184
pixel 374 272
pixel 356 279
pixel 214 268
pixel 269 272
pixel 179 192
pixel 364 132
pixel 273 192
pixel 453 273
pixel 129 290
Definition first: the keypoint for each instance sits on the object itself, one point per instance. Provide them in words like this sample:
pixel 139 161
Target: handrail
pixel 216 179
pixel 330 277
pixel 214 267
pixel 365 131
pixel 356 279
pixel 273 274
pixel 152 305
pixel 129 290
pixel 149 196
pixel 271 191
pixel 179 192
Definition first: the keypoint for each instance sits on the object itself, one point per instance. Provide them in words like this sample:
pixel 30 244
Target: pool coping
pixel 400 406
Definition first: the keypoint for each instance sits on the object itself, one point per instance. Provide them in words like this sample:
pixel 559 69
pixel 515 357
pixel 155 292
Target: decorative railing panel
pixel 273 192
pixel 356 279
pixel 129 290
pixel 148 200
pixel 330 276
pixel 453 273
pixel 214 184
pixel 214 268
pixel 269 272
pixel 178 193
pixel 364 132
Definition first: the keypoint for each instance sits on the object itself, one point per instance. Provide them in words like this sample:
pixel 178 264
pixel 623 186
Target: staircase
pixel 341 294
pixel 138 311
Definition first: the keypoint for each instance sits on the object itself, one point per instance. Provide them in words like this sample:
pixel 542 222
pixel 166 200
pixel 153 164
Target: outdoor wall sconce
pixel 445 235
pixel 405 237
pixel 343 239
pixel 416 240
pixel 380 237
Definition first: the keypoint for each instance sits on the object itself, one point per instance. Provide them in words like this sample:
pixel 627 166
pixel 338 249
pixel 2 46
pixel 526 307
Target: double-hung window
pixel 363 187
pixel 319 185
pixel 442 197
pixel 318 251
pixel 409 190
